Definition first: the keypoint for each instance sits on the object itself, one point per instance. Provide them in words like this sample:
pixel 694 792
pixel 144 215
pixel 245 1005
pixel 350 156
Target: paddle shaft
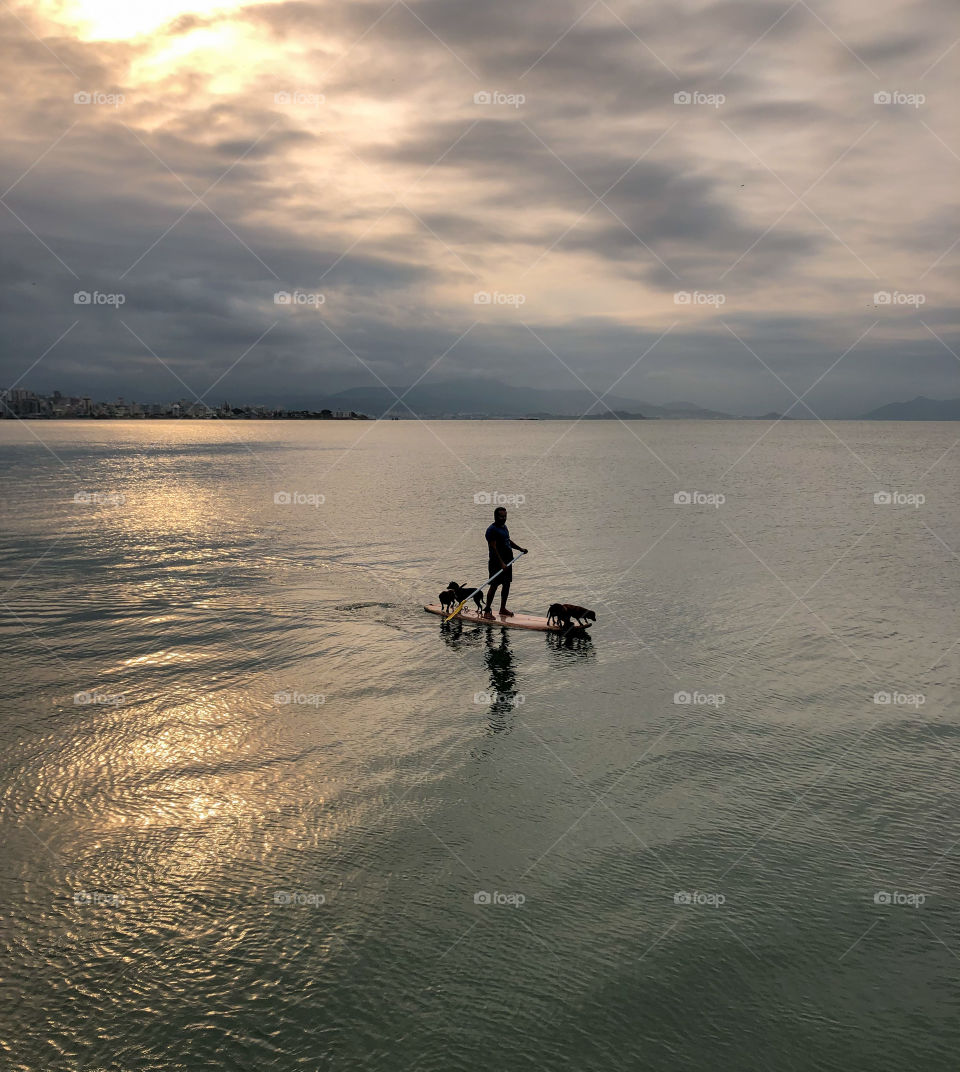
pixel 484 585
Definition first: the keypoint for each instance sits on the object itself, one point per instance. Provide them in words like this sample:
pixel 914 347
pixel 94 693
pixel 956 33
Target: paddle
pixel 484 585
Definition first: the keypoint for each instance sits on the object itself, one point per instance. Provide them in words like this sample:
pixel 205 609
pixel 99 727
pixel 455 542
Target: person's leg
pixel 505 591
pixel 493 587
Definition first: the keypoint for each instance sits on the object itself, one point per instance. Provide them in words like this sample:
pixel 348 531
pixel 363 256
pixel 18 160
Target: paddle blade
pixel 456 612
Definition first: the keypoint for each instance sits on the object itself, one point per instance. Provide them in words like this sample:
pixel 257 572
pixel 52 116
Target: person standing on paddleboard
pixel 499 545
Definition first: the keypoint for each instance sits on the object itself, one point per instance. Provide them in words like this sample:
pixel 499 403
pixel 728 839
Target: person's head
pixel 500 515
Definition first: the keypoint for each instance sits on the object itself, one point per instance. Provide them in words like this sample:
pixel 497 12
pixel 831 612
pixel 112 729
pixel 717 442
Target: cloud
pixel 343 149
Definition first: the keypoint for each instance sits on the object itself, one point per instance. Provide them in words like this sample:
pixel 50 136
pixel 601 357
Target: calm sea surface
pixel 260 812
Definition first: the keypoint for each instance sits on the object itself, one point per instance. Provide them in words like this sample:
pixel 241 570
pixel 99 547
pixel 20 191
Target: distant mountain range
pixel 492 398
pixel 918 409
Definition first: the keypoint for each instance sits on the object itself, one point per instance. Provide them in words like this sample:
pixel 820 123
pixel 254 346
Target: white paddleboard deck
pixel 518 621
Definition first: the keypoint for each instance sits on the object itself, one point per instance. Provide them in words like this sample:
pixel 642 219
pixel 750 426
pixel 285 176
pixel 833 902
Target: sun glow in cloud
pixel 120 19
pixel 224 53
pixel 220 45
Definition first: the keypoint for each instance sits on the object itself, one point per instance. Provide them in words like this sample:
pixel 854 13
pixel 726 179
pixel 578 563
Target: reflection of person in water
pixel 503 681
pixel 499 660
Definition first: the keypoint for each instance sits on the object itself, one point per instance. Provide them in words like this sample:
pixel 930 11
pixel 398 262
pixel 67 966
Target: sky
pixel 736 204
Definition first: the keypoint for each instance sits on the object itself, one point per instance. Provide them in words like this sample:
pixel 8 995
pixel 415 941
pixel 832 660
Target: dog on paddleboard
pixel 461 592
pixel 565 614
pixel 447 601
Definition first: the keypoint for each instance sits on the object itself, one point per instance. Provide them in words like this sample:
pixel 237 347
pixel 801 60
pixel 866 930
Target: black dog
pixel 579 614
pixel 447 600
pixel 565 613
pixel 461 592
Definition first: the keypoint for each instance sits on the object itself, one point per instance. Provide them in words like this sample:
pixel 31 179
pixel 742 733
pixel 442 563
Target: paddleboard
pixel 518 621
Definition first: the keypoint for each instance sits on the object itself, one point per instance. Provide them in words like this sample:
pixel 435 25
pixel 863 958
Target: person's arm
pixel 517 547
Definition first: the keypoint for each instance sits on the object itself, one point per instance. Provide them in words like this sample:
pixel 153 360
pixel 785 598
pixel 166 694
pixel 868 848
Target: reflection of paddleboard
pixel 518 621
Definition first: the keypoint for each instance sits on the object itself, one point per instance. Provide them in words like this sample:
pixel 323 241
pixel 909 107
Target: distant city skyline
pixel 19 402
